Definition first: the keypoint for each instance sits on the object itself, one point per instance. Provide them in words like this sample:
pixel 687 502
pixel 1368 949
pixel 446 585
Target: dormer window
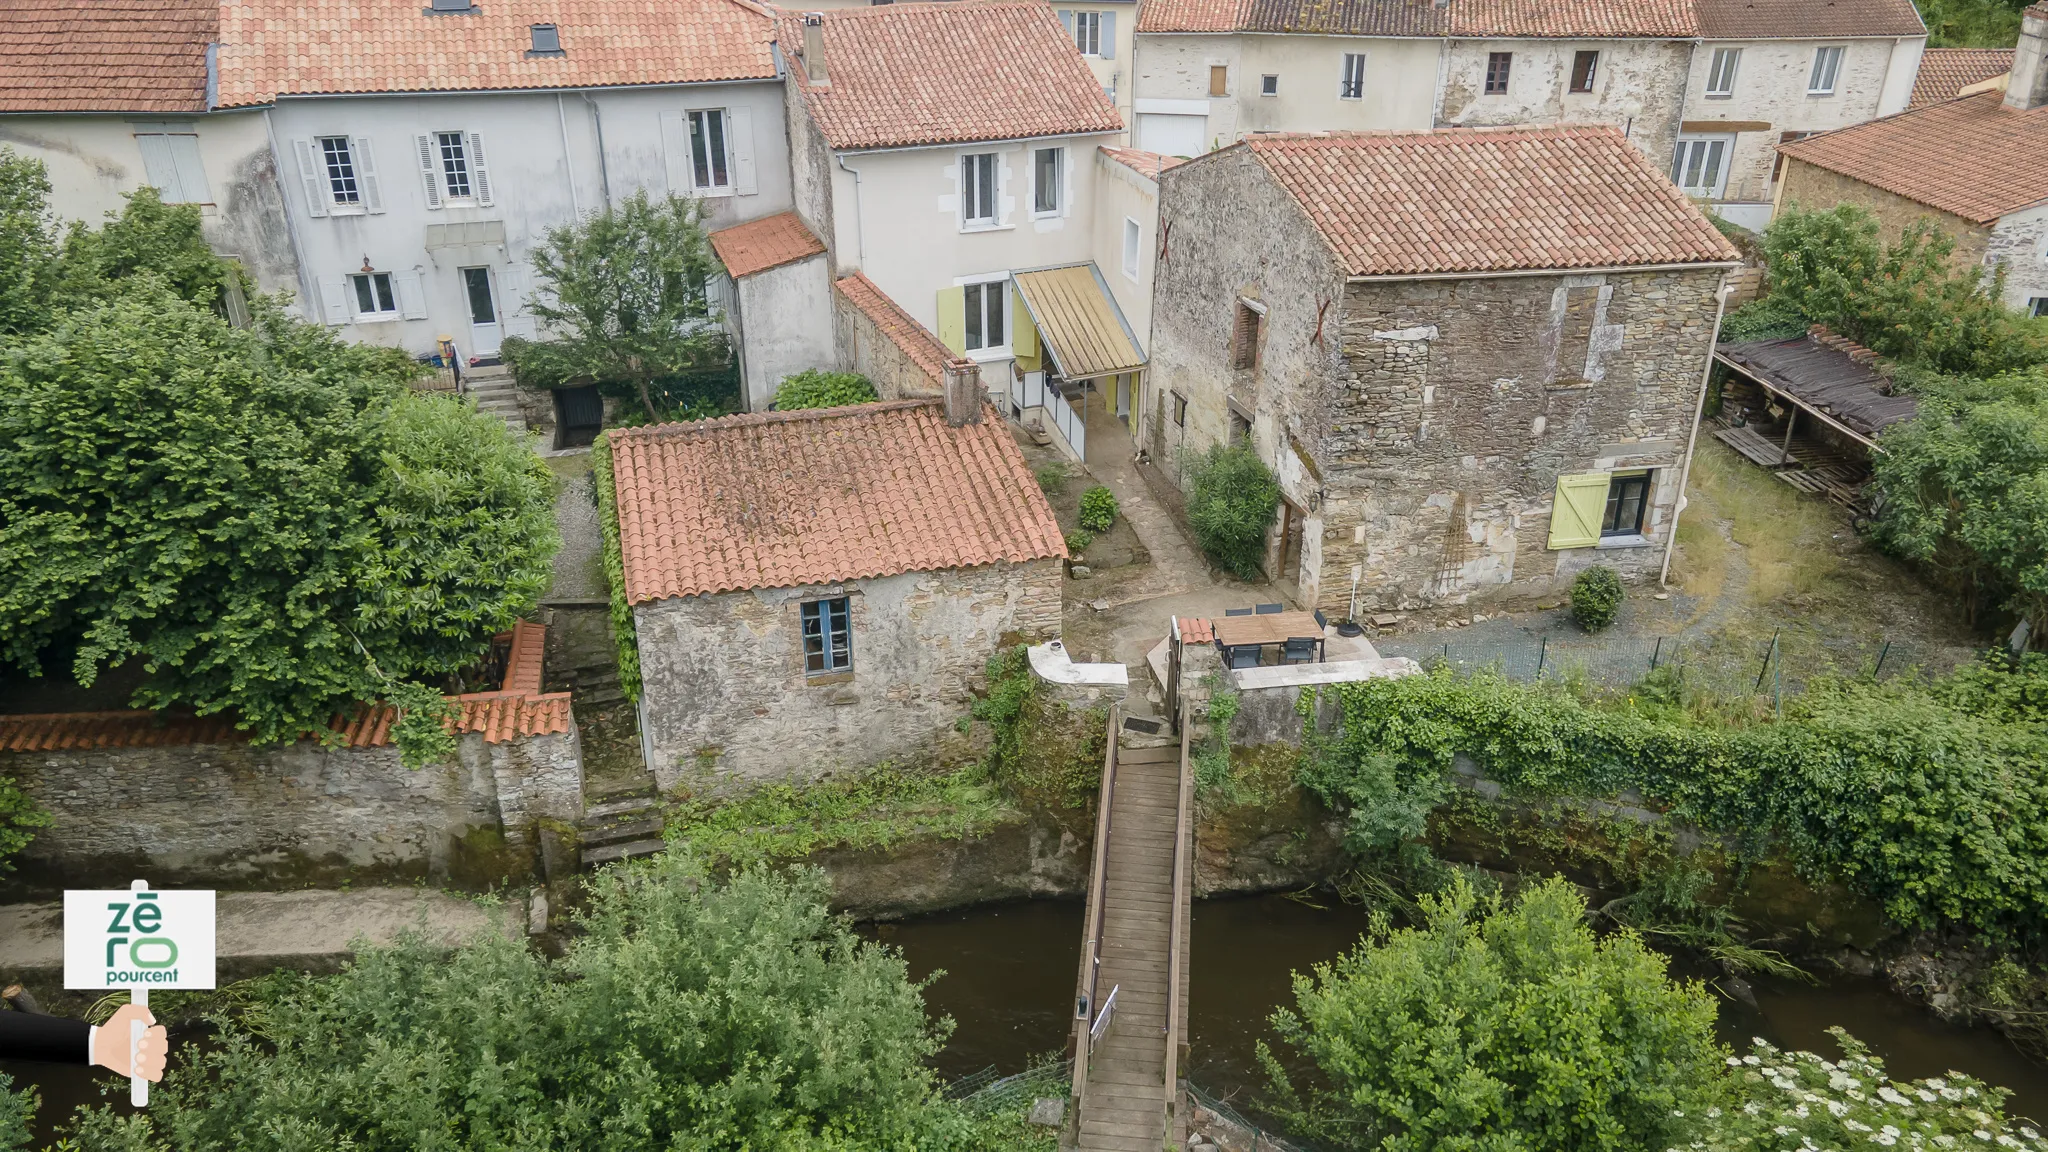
pixel 547 40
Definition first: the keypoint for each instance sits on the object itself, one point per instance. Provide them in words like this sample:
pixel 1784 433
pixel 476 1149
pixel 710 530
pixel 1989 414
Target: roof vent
pixel 547 41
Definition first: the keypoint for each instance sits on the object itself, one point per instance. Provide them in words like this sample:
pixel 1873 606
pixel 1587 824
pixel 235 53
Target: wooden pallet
pixel 1759 450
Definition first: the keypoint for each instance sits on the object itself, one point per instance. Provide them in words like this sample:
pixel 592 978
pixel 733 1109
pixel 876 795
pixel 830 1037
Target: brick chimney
pixel 2027 88
pixel 814 49
pixel 964 397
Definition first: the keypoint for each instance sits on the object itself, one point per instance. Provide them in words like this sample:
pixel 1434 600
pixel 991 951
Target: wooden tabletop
pixel 1269 629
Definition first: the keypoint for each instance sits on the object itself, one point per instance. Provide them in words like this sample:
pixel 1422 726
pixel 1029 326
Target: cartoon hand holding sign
pixel 139 940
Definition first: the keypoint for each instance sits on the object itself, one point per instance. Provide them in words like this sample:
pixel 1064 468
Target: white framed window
pixel 1827 67
pixel 339 175
pixel 1352 84
pixel 1699 166
pixel 710 155
pixel 1133 249
pixel 1721 73
pixel 450 149
pixel 1269 85
pixel 373 296
pixel 1088 33
pixel 452 168
pixel 1048 171
pixel 978 180
pixel 339 162
pixel 828 636
pixel 988 314
pixel 170 163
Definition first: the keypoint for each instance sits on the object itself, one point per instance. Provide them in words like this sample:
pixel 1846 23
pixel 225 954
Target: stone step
pixel 595 834
pixel 618 801
pixel 615 852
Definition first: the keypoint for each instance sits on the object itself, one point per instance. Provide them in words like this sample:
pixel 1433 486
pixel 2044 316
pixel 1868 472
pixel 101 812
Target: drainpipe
pixel 1698 412
pixel 568 161
pixel 860 244
pixel 604 175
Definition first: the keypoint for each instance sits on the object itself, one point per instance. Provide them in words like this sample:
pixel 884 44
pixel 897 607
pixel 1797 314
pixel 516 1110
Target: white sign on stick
pixel 138 939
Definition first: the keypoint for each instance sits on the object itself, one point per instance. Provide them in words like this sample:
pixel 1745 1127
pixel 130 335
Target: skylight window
pixel 547 40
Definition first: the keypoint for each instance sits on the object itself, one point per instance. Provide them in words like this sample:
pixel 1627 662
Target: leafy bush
pixel 690 1013
pixel 816 389
pixel 1931 797
pixel 1232 499
pixel 625 634
pixel 1778 1097
pixel 1052 477
pixel 1078 541
pixel 19 817
pixel 1496 1026
pixel 1040 750
pixel 1098 509
pixel 1971 23
pixel 1596 597
pixel 866 810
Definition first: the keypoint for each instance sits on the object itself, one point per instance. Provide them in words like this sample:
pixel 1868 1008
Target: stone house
pixel 1473 357
pixel 1975 166
pixel 815 589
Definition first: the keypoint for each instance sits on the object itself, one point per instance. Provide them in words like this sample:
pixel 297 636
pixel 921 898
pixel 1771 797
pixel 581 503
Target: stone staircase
pixel 621 825
pixel 596 684
pixel 495 393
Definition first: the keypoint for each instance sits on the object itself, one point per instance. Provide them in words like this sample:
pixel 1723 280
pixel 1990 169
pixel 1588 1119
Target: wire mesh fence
pixel 986 1092
pixel 1249 1136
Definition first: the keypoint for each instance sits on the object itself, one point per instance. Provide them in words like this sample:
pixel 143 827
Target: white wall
pixel 784 322
pixel 1112 68
pixel 1638 86
pixel 1175 67
pixel 2020 242
pixel 1875 79
pixel 549 158
pixel 1121 194
pixel 95 161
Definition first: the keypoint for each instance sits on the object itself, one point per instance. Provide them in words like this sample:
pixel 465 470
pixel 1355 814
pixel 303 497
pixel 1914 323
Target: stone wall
pixel 2020 243
pixel 866 349
pixel 1638 86
pixel 236 816
pixel 726 695
pixel 1809 187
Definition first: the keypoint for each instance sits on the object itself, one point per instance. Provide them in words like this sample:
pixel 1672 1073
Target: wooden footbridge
pixel 1131 1006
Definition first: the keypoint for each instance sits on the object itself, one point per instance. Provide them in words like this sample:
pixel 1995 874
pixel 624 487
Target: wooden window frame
pixel 1219 79
pixel 1585 71
pixel 1619 487
pixel 1500 68
pixel 1180 410
pixel 1247 324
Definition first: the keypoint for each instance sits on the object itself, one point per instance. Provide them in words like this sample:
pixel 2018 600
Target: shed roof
pixel 105 55
pixel 781 499
pixel 1824 378
pixel 1467 200
pixel 1973 157
pixel 1081 323
pixel 769 242
pixel 903 75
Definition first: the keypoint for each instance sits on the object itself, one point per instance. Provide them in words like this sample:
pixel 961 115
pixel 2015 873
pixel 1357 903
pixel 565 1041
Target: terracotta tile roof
pixel 1947 71
pixel 1487 200
pixel 779 499
pixel 105 55
pixel 1973 157
pixel 1807 19
pixel 311 47
pixel 1673 19
pixel 759 245
pixel 916 340
pixel 517 710
pixel 909 74
pixel 1147 164
pixel 1195 630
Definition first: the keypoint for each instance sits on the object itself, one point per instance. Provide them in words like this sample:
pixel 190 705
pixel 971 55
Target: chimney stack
pixel 814 49
pixel 964 397
pixel 2027 87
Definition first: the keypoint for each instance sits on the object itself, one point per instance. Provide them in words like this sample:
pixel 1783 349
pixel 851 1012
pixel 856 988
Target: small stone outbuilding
pixel 814 589
pixel 1473 357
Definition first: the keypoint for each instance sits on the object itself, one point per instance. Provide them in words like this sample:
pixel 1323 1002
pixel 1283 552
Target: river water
pixel 1010 968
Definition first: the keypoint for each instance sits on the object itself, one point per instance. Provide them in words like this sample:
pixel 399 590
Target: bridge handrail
pixel 1091 943
pixel 1173 948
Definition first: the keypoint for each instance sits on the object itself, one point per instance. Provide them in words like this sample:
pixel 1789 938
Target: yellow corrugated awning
pixel 1082 326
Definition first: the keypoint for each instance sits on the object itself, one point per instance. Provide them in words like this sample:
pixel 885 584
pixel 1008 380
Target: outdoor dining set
pixel 1245 634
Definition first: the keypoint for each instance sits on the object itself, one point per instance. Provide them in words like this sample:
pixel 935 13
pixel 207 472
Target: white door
pixel 1699 165
pixel 1173 135
pixel 485 328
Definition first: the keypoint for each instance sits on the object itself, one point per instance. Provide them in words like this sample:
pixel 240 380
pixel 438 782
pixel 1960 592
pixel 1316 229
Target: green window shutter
pixel 1024 334
pixel 953 318
pixel 1575 513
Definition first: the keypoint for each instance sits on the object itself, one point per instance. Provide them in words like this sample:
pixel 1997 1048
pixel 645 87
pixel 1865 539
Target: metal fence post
pixel 1542 650
pixel 1656 652
pixel 1768 655
pixel 1886 651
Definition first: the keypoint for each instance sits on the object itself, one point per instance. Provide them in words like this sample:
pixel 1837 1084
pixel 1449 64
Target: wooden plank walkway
pixel 1125 1109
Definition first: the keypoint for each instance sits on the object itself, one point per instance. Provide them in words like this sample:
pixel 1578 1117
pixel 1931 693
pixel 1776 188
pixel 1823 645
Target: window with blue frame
pixel 828 637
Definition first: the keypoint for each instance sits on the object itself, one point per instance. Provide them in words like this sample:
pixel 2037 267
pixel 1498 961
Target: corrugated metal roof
pixel 1824 379
pixel 1081 325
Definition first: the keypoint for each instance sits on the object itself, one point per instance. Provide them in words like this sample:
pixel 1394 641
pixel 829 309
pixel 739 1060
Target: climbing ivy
pixel 624 635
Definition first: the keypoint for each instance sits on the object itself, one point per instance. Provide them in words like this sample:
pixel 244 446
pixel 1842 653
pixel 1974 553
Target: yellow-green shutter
pixel 1575 513
pixel 953 318
pixel 1024 341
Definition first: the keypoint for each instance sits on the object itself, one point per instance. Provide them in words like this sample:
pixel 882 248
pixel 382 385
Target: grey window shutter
pixel 479 177
pixel 1109 35
pixel 366 174
pixel 1067 18
pixel 740 138
pixel 192 187
pixel 314 180
pixel 334 299
pixel 158 168
pixel 675 152
pixel 412 295
pixel 430 169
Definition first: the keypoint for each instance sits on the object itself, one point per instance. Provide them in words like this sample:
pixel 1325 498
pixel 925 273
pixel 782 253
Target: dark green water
pixel 1010 972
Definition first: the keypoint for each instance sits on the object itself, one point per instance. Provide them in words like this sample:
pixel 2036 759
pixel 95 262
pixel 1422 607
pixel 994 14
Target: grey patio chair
pixel 1244 656
pixel 1271 609
pixel 1299 650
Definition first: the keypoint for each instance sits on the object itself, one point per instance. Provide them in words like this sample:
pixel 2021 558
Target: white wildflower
pixel 1735 1061
pixel 1782 1130
pixel 1945 1140
pixel 1838 1108
pixel 1842 1081
pixel 1853 1126
pixel 1891 1095
pixel 1751 1060
pixel 1800 1112
pixel 2029 1133
pixel 1936 1082
pixel 1981 1134
pixel 1924 1095
pixel 1713 1113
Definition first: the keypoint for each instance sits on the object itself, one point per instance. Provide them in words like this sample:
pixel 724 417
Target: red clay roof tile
pixel 909 74
pixel 1674 19
pixel 915 340
pixel 759 245
pixel 1147 164
pixel 1973 157
pixel 780 499
pixel 1807 19
pixel 1488 200
pixel 1947 71
pixel 105 55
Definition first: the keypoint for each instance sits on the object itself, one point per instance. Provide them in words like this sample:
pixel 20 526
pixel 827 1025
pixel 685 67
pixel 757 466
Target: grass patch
pixel 1786 536
pixel 875 808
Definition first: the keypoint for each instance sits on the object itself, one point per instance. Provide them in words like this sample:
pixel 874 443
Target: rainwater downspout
pixel 604 176
pixel 568 161
pixel 1698 413
pixel 860 241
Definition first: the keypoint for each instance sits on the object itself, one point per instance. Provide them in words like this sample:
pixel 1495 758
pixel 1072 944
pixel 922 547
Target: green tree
pixel 28 250
pixel 626 298
pixel 1232 499
pixel 146 236
pixel 818 389
pixel 266 519
pixel 691 1013
pixel 1497 1028
pixel 1972 23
